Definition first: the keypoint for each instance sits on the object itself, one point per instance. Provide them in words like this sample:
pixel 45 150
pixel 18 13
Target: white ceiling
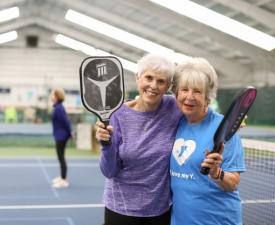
pixel 231 57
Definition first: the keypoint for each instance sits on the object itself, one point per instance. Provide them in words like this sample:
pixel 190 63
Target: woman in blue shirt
pixel 199 199
pixel 62 132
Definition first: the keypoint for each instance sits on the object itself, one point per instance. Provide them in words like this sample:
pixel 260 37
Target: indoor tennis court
pixel 48 44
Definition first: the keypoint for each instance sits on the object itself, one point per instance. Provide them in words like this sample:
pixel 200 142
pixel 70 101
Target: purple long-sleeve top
pixel 61 125
pixel 136 163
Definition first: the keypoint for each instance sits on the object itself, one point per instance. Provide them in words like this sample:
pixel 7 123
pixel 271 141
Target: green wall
pixel 261 112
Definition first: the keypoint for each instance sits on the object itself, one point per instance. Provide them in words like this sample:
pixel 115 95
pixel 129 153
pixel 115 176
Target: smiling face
pixel 195 85
pixel 192 102
pixel 151 86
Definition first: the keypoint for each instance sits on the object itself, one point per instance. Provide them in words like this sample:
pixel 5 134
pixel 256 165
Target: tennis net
pixel 257 186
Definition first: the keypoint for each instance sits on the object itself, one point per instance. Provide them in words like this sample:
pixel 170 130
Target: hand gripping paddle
pixel 102 86
pixel 232 119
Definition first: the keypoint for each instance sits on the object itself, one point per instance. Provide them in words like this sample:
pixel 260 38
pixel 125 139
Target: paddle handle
pixel 205 170
pixel 105 143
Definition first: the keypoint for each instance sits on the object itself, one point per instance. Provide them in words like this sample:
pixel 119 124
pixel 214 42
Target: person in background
pixel 62 132
pixel 136 163
pixel 200 199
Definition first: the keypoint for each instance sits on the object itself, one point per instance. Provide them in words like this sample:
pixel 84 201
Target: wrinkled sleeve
pixel 110 162
pixel 233 155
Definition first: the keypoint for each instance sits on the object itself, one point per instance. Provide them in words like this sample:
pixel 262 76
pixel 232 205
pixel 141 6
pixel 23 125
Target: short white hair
pixel 196 73
pixel 156 63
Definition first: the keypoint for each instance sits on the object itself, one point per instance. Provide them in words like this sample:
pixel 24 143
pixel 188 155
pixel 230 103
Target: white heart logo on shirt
pixel 182 150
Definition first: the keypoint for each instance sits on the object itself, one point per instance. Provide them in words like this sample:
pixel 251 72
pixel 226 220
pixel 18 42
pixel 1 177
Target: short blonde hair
pixel 59 93
pixel 196 73
pixel 156 63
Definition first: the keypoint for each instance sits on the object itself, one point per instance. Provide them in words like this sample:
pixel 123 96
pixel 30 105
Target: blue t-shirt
pixel 198 200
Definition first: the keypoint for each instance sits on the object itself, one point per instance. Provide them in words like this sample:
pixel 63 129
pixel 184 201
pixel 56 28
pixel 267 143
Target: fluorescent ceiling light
pixel 8 14
pixel 219 22
pixel 121 35
pixel 89 50
pixel 9 36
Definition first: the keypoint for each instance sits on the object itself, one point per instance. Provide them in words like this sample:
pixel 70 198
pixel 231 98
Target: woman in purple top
pixel 136 163
pixel 62 132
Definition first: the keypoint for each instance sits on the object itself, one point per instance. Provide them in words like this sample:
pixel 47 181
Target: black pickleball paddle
pixel 233 119
pixel 102 86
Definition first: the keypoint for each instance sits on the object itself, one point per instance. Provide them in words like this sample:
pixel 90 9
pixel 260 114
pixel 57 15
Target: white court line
pixel 92 158
pixel 68 219
pixel 72 206
pixel 20 219
pixel 11 165
pixel 47 177
pixel 258 201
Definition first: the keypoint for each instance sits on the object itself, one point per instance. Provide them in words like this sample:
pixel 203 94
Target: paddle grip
pixel 105 143
pixel 205 170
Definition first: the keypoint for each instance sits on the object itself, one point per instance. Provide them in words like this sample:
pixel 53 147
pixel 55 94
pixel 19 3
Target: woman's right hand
pixel 103 134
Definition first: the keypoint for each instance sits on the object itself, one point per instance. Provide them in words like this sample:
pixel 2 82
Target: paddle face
pixel 234 116
pixel 233 119
pixel 102 85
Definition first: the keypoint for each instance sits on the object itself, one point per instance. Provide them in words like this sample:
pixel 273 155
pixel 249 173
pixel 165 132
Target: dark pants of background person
pixel 113 218
pixel 60 151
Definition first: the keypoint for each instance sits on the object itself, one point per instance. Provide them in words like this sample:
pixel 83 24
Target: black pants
pixel 60 151
pixel 113 218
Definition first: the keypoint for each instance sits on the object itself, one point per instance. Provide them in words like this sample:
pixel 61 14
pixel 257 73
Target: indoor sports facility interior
pixel 42 45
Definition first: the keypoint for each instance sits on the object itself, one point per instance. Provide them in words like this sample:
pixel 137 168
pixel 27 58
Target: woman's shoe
pixel 61 184
pixel 56 179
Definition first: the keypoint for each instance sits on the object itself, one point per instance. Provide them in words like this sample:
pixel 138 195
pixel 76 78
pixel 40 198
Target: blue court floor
pixel 27 198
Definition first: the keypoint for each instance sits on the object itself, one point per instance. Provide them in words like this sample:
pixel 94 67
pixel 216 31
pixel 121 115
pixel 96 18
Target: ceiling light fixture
pixel 219 22
pixel 8 14
pixel 121 35
pixel 89 50
pixel 9 36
